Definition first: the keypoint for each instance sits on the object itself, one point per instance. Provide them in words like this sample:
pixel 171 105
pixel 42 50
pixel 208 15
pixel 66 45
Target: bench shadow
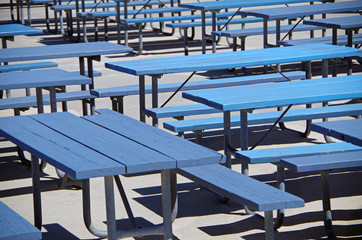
pixel 57 232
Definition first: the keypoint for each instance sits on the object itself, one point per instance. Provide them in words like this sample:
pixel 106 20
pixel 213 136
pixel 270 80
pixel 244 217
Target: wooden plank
pixel 341 40
pixel 241 188
pixel 73 158
pixel 323 162
pixel 135 156
pixel 340 22
pixel 184 152
pixel 40 78
pixel 27 66
pixel 14 29
pixel 275 154
pixel 258 57
pixel 15 227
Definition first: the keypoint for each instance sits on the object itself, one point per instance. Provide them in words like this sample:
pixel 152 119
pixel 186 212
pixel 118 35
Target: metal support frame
pixel 35 173
pixel 327 205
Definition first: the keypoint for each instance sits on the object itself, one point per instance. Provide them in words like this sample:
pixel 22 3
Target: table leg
pixel 244 143
pixel 110 208
pixel 35 172
pixel 227 138
pixel 327 205
pixel 155 97
pixel 166 204
pixel 203 32
pixel 142 98
pixel 334 42
pixel 213 29
pixel 53 99
pixel 39 100
pixel 91 86
pixel 349 44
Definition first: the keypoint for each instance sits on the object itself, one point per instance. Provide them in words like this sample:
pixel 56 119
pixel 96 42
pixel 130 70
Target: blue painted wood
pixel 144 11
pixel 137 158
pixel 346 130
pixel 15 227
pixel 273 155
pixel 340 22
pixel 14 29
pixel 279 94
pixel 173 18
pixel 264 118
pixel 40 78
pixel 241 188
pixel 305 10
pixel 341 40
pixel 61 51
pixel 73 158
pixel 27 66
pixel 238 59
pixel 194 85
pixel 30 101
pixel 184 152
pixel 259 31
pixel 215 5
pixel 218 22
pixel 323 162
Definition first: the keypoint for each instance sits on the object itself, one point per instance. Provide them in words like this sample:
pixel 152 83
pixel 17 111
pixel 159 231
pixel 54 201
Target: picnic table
pixel 8 31
pixel 204 62
pixel 89 51
pixel 272 95
pixel 104 145
pixel 215 6
pixel 281 13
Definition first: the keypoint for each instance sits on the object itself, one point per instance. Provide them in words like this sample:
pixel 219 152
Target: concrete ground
pixel 200 215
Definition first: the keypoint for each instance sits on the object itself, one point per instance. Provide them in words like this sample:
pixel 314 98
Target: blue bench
pixel 27 66
pixel 117 93
pixel 243 33
pixel 201 124
pixel 341 40
pixel 15 227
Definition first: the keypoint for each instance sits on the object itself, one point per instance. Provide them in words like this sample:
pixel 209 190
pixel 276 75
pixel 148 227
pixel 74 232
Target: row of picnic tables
pixel 89 135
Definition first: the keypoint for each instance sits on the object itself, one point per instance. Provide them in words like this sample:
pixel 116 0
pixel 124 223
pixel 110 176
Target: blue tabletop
pixel 279 94
pixel 7 30
pixel 345 130
pixel 340 22
pixel 41 78
pixel 61 51
pixel 102 145
pixel 305 10
pixel 216 5
pixel 226 60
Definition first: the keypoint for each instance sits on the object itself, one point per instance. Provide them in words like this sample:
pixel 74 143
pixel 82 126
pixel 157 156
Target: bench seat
pixel 265 117
pixel 341 40
pixel 27 66
pixel 244 190
pixel 15 227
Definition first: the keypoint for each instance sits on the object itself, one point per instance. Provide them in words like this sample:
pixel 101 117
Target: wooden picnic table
pixel 49 78
pixel 104 145
pixel 90 51
pixel 156 67
pixel 8 31
pixel 215 6
pixel 273 95
pixel 281 13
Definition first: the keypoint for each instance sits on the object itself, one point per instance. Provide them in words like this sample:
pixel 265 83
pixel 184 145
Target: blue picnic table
pixel 156 67
pixel 247 98
pixel 215 6
pixel 84 51
pixel 8 31
pixel 104 145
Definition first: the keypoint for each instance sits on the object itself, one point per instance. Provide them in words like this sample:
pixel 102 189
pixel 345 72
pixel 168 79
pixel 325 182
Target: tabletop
pixel 340 22
pixel 61 51
pixel 40 78
pixel 216 5
pixel 7 30
pixel 305 10
pixel 279 94
pixel 346 130
pixel 259 57
pixel 102 145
